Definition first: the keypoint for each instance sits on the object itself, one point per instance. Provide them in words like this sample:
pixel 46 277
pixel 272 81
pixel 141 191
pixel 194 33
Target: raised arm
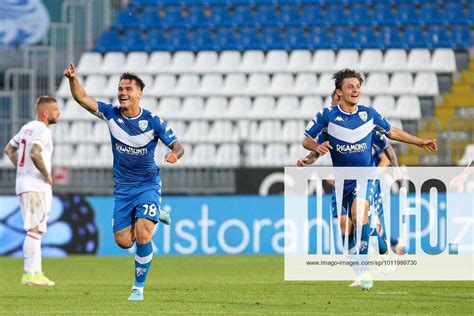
pixel 37 158
pixel 391 156
pixel 78 92
pixel 311 145
pixel 177 151
pixel 428 144
pixel 12 153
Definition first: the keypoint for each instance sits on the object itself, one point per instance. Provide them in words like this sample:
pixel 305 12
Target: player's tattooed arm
pixel 78 92
pixel 391 155
pixel 177 151
pixel 12 153
pixel 37 158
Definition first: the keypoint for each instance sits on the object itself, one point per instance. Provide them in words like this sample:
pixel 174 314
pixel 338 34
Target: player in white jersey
pixel 135 133
pixel 30 151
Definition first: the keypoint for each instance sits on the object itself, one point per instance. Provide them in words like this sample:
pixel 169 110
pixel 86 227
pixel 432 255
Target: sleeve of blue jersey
pixel 379 140
pixel 319 122
pixel 381 124
pixel 163 131
pixel 104 110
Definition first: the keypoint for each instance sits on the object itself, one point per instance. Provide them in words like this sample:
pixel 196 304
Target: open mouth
pixel 122 99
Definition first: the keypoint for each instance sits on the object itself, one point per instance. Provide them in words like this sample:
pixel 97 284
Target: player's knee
pixel 124 243
pixel 143 236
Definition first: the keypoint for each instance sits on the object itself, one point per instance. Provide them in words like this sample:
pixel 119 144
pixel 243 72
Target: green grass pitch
pixel 213 285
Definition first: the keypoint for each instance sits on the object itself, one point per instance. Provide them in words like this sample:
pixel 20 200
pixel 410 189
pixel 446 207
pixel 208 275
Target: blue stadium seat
pixel 150 19
pixel 318 39
pixel 289 16
pixel 225 40
pixel 126 20
pixel 266 16
pixel 454 14
pixel 389 37
pixel 272 39
pixel 365 37
pixel 413 37
pixel 335 16
pixel 406 14
pixel 437 37
pixel 174 19
pixel 342 38
pixel 202 40
pixel 359 15
pixel 109 42
pixel 243 17
pixel 197 18
pixel 220 17
pixel 470 14
pixel 179 40
pixel 296 39
pixel 249 40
pixel 132 41
pixel 382 15
pixel 156 41
pixel 430 14
pixel 312 16
pixel 143 3
pixel 461 37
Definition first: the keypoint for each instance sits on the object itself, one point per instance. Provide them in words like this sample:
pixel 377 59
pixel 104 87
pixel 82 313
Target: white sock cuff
pixel 144 260
pixel 34 235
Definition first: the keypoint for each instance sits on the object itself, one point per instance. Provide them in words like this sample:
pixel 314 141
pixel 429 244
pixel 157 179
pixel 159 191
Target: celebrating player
pixel 137 186
pixel 30 151
pixel 350 140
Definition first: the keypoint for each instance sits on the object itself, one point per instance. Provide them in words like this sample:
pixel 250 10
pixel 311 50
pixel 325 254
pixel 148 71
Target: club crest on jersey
pixel 143 124
pixel 363 116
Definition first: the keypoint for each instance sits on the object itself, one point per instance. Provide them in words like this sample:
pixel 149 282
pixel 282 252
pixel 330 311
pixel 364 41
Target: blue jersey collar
pixel 347 113
pixel 132 118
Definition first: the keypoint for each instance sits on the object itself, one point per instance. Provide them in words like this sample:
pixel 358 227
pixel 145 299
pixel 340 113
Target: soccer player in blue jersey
pixel 349 129
pixel 135 133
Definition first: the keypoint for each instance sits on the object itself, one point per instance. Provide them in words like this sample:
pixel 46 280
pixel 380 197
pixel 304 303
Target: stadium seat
pixel 63 153
pixel 385 105
pixel 296 39
pixel 109 42
pixel 359 15
pixel 173 19
pixel 370 60
pixel 305 83
pixel 132 41
pixel 320 39
pixel 203 155
pixel 234 84
pixel 376 83
pixel 311 16
pixel 182 62
pixel 197 18
pixel 150 19
pixel 73 110
pixel 136 62
pixel 395 60
pixel 341 38
pixel 211 83
pixel 159 62
pixel 223 131
pixel 272 40
pixel 443 60
pixel 202 40
pixel 252 61
pixel 100 133
pixel 187 85
pixel 408 107
pixel 255 155
pixel 206 61
pixel 239 107
pixel 147 102
pixel 437 37
pixel 365 37
pixel 309 106
pixel 192 108
pixel 111 87
pixel 169 108
pixel 196 131
pixel 275 153
pixel 112 63
pixel 401 83
pixel 406 14
pixel 413 37
pixel 299 60
pixel 389 38
pixel 292 130
pixel 156 41
pixel 215 107
pixel 226 40
pixel 242 17
pixel 266 16
pixel 454 14
pixel 289 16
pixel 335 15
pixel 347 58
pixel 419 60
pixel 276 60
pixel 228 61
pixel 64 91
pixel 262 106
pixel 286 107
pixel 382 15
pixel 364 99
pixel 179 41
pixel 228 155
pixel 248 39
pixel 426 84
pixel 76 132
pixel 163 85
pixel 258 83
pixel 178 127
pixel 461 35
pixel 89 63
pixel 126 20
pixel 267 130
pixel 281 84
pixel 220 17
pixel 95 85
pixel 325 84
pixel 324 60
pixel 296 151
pixel 105 157
pixel 430 14
pixel 60 131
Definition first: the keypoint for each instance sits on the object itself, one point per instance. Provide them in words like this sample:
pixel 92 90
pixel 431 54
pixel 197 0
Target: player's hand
pixel 171 157
pixel 306 160
pixel 70 72
pixel 49 179
pixel 324 148
pixel 429 145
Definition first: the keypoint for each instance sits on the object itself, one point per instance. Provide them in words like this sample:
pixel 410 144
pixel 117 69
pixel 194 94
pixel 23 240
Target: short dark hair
pixel 132 76
pixel 346 73
pixel 44 99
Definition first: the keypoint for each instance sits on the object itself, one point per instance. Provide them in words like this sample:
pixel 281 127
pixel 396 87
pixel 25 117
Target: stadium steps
pixel 413 155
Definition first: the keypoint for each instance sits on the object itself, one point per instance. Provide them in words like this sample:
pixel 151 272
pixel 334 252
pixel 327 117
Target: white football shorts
pixel 35 208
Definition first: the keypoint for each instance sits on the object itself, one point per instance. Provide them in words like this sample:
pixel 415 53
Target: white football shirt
pixel 28 177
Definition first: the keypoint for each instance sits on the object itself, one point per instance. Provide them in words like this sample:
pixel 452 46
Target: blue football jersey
pixel 350 134
pixel 134 141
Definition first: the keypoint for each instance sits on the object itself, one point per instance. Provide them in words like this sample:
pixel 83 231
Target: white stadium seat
pixel 443 60
pixel 276 60
pixel 269 130
pixel 310 106
pixel 376 83
pixel 229 61
pixel 228 155
pixel 178 127
pixel 84 155
pixel 95 85
pixel 282 84
pixel 223 131
pixel 60 132
pixel 324 60
pixel 239 107
pixel 347 58
pixel 299 60
pixel 216 107
pixel 159 62
pixel 64 91
pixel 136 62
pixel 163 85
pixel 262 106
pixel 275 154
pixel 100 132
pixel 395 60
pixel 364 100
pixel 105 157
pixel 258 84
pixel 196 131
pixel 255 155
pixel 426 83
pixel 188 84
pixel 211 84
pixel 62 154
pixel 90 63
pixel 182 62
pixel 234 84
pixel 77 134
pixel 111 88
pixel 419 59
pixel 113 63
pixel 370 60
pixel 292 130
pixel 385 105
pixel 401 83
pixel 305 83
pixel 252 61
pixel 206 61
pixel 325 84
pixel 169 108
pixel 192 107
pixel 408 107
pixel 203 155
pixel 287 107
